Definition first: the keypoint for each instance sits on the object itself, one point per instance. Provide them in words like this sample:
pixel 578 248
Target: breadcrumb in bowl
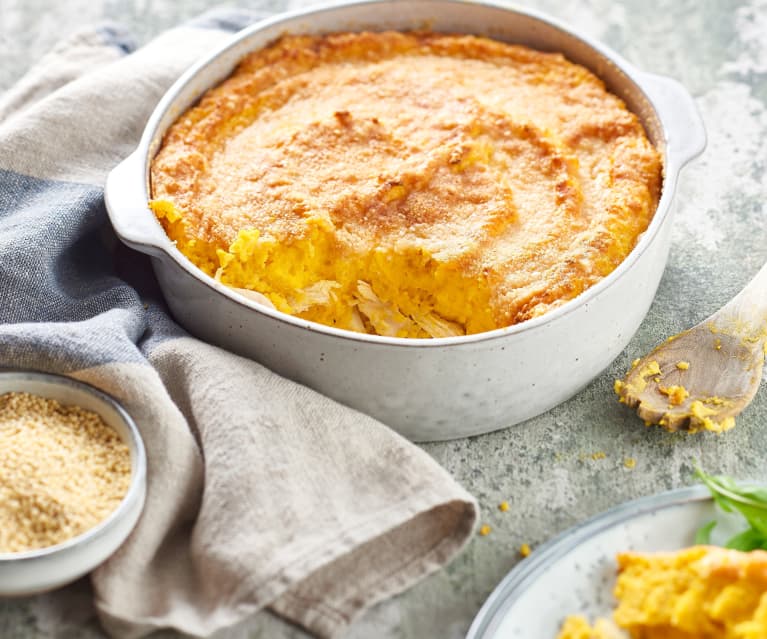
pixel 80 516
pixel 63 470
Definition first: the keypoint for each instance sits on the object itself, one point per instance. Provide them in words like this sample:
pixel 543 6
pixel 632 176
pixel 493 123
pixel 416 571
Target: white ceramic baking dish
pixel 427 389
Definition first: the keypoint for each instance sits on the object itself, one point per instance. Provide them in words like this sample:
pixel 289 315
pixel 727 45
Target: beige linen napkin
pixel 261 492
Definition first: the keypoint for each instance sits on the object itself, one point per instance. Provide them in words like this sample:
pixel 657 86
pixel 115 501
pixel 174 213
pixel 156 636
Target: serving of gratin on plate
pixel 697 592
pixel 686 564
pixel 407 184
pixel 700 592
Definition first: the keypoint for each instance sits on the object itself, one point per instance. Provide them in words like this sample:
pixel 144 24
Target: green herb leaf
pixel 703 535
pixel 749 501
pixel 747 541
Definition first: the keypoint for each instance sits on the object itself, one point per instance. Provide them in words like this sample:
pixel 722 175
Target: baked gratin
pixel 407 184
pixel 702 592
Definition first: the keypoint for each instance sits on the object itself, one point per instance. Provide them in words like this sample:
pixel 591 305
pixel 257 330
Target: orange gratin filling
pixel 407 184
pixel 702 592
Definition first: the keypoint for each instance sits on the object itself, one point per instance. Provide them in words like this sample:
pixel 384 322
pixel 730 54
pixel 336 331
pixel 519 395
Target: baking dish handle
pixel 126 204
pixel 682 122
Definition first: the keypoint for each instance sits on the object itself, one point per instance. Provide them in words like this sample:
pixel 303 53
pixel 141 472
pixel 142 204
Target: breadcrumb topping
pixel 62 471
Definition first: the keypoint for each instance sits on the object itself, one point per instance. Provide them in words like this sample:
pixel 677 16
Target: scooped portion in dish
pixel 407 184
pixel 702 592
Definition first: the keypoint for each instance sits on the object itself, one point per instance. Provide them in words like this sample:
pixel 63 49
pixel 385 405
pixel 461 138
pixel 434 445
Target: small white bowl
pixel 25 573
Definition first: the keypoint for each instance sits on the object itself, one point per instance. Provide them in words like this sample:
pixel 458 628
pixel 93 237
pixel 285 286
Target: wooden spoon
pixel 702 378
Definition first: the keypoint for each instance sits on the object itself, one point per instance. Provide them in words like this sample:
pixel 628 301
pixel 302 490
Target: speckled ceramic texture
pixel 439 388
pixel 576 572
pixel 34 571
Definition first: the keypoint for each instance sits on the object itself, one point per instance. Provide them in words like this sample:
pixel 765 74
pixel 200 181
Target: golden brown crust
pixel 512 167
pixel 711 562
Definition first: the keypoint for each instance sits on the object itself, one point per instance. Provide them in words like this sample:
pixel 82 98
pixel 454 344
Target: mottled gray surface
pixel 544 468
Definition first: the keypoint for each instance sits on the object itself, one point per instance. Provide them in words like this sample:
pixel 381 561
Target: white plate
pixel 575 573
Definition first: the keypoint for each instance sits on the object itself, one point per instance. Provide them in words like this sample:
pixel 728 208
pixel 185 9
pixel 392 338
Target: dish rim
pixel 513 584
pixel 136 492
pixel 671 166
